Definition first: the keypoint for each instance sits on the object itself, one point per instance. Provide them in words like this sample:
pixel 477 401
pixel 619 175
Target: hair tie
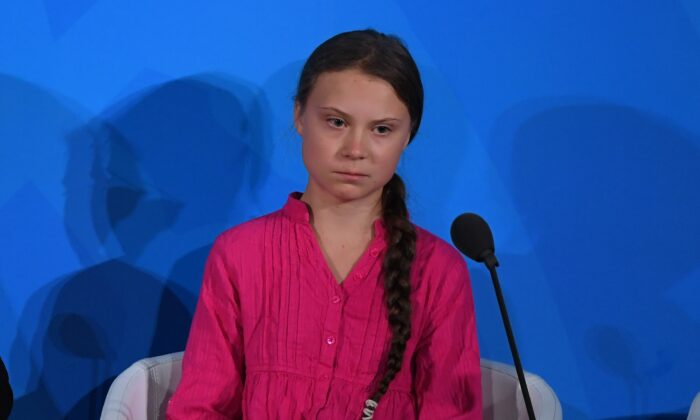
pixel 368 412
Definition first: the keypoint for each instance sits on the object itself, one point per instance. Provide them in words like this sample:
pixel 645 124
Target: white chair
pixel 694 413
pixel 142 391
pixel 502 398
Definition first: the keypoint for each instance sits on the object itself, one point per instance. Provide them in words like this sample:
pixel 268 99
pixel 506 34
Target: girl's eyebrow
pixel 349 118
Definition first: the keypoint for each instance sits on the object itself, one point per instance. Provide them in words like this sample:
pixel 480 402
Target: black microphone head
pixel 472 236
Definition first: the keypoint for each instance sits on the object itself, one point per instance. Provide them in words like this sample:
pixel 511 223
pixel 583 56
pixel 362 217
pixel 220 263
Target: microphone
pixel 472 236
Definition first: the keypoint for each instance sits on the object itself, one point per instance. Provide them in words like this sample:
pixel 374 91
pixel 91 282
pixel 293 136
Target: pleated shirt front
pixel 275 336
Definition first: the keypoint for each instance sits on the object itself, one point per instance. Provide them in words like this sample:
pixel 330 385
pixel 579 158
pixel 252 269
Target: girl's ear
pixel 405 143
pixel 297 118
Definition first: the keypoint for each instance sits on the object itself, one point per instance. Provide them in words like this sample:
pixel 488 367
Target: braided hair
pixel 386 57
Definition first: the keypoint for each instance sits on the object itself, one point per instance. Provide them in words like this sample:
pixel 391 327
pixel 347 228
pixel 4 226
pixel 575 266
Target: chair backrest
pixel 694 413
pixel 502 398
pixel 142 391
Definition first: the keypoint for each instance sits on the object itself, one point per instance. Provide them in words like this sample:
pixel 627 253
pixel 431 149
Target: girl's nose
pixel 355 145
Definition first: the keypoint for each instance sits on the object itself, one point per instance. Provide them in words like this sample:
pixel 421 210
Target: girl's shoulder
pixel 247 235
pixel 439 269
pixel 435 251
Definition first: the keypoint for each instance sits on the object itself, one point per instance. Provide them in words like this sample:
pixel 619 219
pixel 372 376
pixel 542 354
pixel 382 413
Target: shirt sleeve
pixel 447 362
pixel 213 367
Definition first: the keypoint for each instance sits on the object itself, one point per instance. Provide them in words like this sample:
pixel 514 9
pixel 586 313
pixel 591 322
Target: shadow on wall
pixel 609 197
pixel 148 185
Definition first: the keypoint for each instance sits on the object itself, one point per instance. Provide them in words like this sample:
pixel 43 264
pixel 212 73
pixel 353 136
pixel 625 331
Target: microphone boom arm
pixel 491 263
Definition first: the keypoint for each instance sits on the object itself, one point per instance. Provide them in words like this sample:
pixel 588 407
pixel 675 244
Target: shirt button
pixel 374 252
pixel 336 299
pixel 324 377
pixel 358 276
pixel 330 340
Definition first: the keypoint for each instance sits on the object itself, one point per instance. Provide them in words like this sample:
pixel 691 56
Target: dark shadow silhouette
pixel 606 194
pixel 148 185
pixel 98 321
pixel 33 247
pixel 613 349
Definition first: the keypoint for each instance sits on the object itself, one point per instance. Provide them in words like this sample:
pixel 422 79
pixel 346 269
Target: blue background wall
pixel 132 133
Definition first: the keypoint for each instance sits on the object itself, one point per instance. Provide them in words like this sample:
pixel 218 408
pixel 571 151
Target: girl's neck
pixel 349 218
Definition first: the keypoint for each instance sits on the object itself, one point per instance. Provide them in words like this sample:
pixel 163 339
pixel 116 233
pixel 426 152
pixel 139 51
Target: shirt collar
pixel 298 211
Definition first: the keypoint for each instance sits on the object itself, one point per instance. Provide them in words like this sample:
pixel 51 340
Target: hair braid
pixel 401 241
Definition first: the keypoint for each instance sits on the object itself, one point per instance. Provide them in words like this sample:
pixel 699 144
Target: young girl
pixel 336 306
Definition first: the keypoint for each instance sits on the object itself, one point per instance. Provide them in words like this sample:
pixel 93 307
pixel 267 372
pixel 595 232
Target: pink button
pixel 336 299
pixel 374 252
pixel 358 275
pixel 330 340
pixel 324 377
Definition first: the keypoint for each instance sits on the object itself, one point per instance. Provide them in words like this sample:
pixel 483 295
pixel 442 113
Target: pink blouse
pixel 275 336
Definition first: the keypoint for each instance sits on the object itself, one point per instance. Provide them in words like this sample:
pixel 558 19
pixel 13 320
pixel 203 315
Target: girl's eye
pixel 336 122
pixel 382 129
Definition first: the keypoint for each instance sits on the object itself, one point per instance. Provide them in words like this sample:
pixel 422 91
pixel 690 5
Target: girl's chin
pixel 354 193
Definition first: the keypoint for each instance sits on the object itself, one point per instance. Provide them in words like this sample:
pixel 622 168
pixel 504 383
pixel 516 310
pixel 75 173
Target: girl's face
pixel 354 128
